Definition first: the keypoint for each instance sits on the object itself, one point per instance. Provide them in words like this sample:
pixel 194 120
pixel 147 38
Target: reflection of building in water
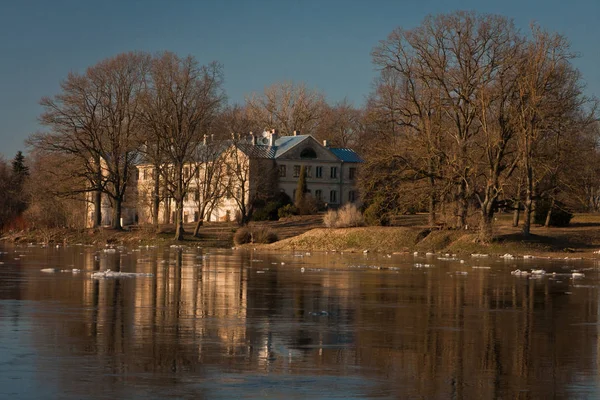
pixel 417 334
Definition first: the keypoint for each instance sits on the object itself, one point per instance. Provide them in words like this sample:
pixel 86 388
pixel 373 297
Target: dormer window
pixel 308 153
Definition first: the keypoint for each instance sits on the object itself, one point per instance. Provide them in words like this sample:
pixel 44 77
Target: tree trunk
pixel 549 214
pixel 201 212
pixel 486 230
pixel 97 209
pixel 155 199
pixel 461 206
pixel 432 197
pixel 198 226
pixel 528 203
pixel 516 212
pixel 179 220
pixel 116 222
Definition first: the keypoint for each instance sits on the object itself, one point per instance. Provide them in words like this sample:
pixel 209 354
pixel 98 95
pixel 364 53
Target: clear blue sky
pixel 325 44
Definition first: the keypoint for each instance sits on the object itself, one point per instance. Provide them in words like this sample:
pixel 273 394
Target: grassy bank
pixel 580 239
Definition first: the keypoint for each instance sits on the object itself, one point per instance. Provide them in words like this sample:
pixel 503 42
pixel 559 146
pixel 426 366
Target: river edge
pixel 581 240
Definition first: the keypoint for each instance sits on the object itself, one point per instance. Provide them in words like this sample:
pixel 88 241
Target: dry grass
pixel 306 232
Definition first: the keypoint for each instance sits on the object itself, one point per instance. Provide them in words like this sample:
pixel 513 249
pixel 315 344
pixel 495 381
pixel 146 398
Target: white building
pixel 330 176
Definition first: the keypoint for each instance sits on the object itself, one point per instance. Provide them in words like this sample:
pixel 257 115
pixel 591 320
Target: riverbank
pixel 580 239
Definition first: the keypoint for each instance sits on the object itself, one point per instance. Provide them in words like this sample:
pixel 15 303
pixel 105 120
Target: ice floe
pixel 114 274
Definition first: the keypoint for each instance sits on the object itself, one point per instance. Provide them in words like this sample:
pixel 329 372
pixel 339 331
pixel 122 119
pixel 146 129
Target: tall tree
pixel 550 94
pixel 95 121
pixel 183 100
pixel 301 188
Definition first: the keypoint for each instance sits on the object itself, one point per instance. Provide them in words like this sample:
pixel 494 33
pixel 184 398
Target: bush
pixel 268 210
pixel 330 218
pixel 242 236
pixel 255 235
pixel 263 235
pixel 560 216
pixel 287 211
pixel 308 205
pixel 347 216
pixel 375 216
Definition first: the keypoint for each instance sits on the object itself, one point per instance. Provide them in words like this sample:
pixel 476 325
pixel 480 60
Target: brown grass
pixel 582 237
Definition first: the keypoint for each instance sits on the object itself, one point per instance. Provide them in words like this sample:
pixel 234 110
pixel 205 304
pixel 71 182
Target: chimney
pixel 325 143
pixel 252 139
pixel 272 137
pixel 296 133
pixel 204 140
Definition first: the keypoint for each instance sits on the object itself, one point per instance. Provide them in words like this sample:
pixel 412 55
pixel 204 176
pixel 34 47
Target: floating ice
pixel 114 274
pixel 538 272
pixel 507 256
pixel 477 255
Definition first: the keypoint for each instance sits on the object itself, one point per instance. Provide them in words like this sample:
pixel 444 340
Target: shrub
pixel 255 235
pixel 287 211
pixel 330 219
pixel 308 205
pixel 375 215
pixel 267 210
pixel 347 216
pixel 560 216
pixel 263 235
pixel 242 236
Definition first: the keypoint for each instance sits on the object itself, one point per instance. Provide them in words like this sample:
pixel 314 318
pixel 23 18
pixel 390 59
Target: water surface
pixel 241 324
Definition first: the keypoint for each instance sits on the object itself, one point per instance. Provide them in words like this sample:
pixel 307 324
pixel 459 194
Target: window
pixel 186 173
pixel 196 195
pixel 352 173
pixel 308 169
pixel 145 174
pixel 318 172
pixel 137 174
pixel 333 172
pixel 352 196
pixel 195 216
pixel 296 171
pixel 282 171
pixel 319 194
pixel 333 196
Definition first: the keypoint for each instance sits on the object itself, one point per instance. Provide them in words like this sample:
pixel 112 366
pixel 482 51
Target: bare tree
pixel 208 184
pixel 550 94
pixel 341 124
pixel 287 107
pixel 95 121
pixel 183 99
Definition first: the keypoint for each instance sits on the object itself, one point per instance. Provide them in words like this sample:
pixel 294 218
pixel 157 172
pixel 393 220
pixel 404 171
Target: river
pixel 203 323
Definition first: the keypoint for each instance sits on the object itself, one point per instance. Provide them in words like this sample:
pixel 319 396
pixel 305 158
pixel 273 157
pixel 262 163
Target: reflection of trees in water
pixel 485 336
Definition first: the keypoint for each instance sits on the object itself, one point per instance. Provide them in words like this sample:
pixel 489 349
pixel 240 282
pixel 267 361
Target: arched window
pixel 308 153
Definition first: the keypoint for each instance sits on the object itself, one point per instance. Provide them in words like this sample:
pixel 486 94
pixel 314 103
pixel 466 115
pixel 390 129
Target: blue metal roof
pixel 346 155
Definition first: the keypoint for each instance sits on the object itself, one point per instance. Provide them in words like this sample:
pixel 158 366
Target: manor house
pixel 330 176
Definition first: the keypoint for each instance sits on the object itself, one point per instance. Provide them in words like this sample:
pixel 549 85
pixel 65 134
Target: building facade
pixel 246 167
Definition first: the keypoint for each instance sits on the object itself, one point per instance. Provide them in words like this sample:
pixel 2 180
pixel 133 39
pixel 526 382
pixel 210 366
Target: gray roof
pixel 346 155
pixel 285 143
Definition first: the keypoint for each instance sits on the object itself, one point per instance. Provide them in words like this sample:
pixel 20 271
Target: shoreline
pixel 579 240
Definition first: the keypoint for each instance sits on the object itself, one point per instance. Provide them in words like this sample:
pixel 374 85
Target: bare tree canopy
pixel 287 107
pixel 182 101
pixel 462 101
